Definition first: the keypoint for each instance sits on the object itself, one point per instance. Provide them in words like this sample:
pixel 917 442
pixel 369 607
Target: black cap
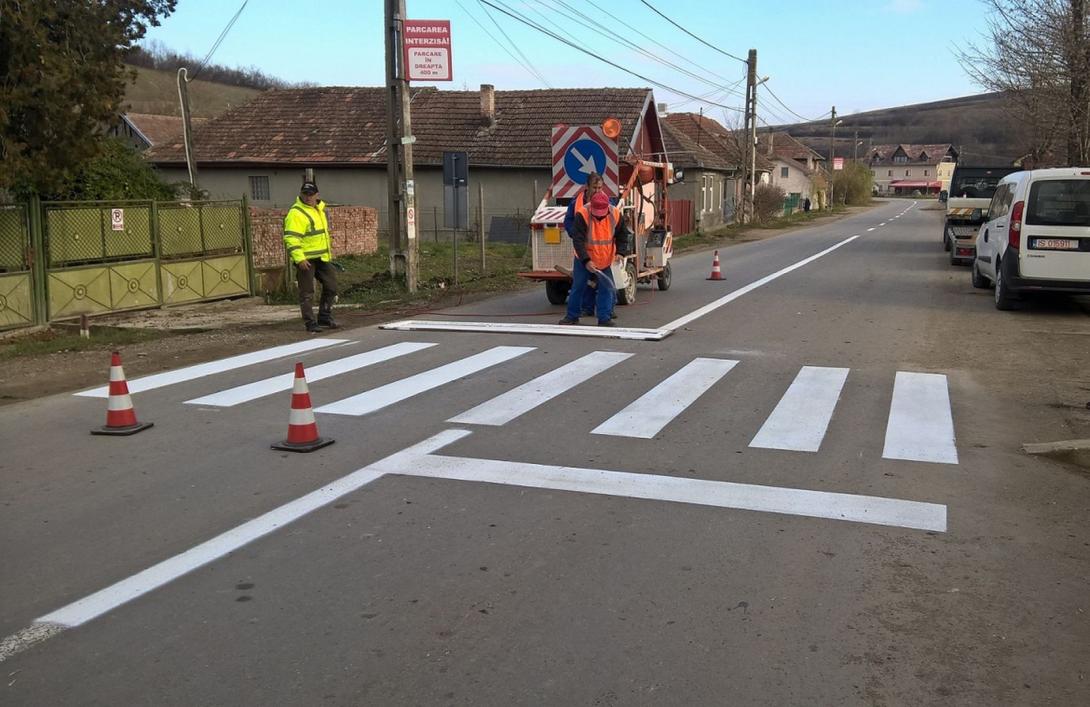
pixel 308 188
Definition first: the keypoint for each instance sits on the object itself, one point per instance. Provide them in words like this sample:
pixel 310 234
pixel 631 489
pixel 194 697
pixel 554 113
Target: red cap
pixel 599 205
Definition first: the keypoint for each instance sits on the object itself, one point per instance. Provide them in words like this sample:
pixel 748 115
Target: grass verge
pixel 62 341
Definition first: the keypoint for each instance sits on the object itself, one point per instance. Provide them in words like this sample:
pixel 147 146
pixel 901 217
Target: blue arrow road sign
pixel 583 157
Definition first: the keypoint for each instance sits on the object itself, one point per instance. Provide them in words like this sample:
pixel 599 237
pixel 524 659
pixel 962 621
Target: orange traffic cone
pixel 120 415
pixel 302 429
pixel 717 274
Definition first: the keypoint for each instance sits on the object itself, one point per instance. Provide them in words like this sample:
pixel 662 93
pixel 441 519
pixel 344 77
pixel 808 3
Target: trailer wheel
pixel 945 238
pixel 628 294
pixel 664 277
pixel 557 291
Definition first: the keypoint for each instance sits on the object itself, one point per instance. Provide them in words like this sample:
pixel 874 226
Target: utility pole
pixel 399 153
pixel 832 153
pixel 855 146
pixel 750 130
pixel 187 129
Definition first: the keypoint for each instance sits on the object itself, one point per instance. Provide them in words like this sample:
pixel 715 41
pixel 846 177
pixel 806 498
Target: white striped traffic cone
pixel 120 415
pixel 302 428
pixel 717 274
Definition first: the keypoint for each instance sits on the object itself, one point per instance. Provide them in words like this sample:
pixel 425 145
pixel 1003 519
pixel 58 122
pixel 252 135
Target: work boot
pixel 606 323
pixel 568 322
pixel 313 328
pixel 328 323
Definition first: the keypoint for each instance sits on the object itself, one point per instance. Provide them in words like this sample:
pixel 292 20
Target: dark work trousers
pixel 328 277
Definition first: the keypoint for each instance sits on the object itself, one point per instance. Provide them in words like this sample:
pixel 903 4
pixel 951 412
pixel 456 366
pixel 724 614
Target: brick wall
pixel 354 232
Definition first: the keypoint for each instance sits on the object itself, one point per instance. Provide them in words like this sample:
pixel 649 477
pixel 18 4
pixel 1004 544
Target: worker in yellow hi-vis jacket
pixel 306 235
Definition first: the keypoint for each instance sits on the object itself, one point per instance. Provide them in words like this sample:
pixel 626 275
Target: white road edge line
pixel 869 230
pixel 651 412
pixel 268 386
pixel 731 296
pixel 921 424
pixel 201 370
pixel 521 400
pixel 421 460
pixel 800 419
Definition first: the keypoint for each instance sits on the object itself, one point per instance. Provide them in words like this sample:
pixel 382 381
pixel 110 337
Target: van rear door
pixel 1056 229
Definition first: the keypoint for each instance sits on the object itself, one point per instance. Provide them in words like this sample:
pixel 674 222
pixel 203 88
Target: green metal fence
pixel 99 257
pixel 17 302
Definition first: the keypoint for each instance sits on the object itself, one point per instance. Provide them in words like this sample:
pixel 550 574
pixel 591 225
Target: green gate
pixel 18 305
pixel 64 259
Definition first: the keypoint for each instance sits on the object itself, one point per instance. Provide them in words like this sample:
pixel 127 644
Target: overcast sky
pixel 855 54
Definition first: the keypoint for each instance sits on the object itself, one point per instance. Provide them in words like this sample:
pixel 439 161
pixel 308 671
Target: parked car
pixel 1036 235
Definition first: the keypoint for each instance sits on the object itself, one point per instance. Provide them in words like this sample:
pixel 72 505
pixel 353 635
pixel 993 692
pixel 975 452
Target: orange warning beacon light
pixel 611 127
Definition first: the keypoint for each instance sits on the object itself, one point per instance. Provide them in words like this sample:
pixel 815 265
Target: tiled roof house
pixel 262 147
pixel 908 168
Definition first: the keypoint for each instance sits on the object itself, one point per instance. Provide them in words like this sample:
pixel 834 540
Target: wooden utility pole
pixel 750 130
pixel 832 153
pixel 187 129
pixel 399 153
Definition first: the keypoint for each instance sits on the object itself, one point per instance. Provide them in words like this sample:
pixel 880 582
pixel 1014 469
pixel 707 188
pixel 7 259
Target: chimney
pixel 488 105
pixel 663 109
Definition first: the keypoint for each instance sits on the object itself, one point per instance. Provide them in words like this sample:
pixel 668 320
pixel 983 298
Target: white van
pixel 1037 235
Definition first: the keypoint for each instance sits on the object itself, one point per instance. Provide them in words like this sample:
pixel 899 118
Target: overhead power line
pixel 219 41
pixel 529 23
pixel 530 69
pixel 576 15
pixel 699 39
pixel 529 64
pixel 777 99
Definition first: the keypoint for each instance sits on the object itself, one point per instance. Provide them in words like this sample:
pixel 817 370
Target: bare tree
pixel 1037 52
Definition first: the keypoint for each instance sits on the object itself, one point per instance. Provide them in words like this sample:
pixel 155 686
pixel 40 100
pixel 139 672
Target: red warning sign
pixel 427 50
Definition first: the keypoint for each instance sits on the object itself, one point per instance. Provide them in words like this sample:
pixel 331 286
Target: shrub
pixel 853 185
pixel 768 202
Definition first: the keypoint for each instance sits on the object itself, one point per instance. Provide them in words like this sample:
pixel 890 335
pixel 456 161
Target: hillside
pixel 157 92
pixel 976 125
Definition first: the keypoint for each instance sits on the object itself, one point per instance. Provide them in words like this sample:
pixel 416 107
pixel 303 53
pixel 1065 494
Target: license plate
pixel 1055 244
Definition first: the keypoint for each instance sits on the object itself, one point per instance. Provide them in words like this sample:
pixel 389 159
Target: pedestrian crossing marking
pixel 800 419
pixel 518 401
pixel 921 424
pixel 400 390
pixel 201 370
pixel 423 461
pixel 259 389
pixel 646 417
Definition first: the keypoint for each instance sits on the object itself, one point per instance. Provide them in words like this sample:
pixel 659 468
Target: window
pixel 259 188
pixel 926 173
pixel 704 194
pixel 890 174
pixel 901 159
pixel 906 172
pixel 1059 202
pixel 784 172
pixel 874 173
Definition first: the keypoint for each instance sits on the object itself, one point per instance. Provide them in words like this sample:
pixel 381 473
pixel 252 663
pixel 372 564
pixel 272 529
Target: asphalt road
pixel 767 507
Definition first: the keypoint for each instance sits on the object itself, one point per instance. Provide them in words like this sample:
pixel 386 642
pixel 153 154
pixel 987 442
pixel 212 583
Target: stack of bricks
pixel 354 229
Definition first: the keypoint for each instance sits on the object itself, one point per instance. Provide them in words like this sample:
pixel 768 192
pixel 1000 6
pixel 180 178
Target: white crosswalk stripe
pixel 405 388
pixel 654 410
pixel 259 389
pixel 802 416
pixel 521 400
pixel 921 424
pixel 201 370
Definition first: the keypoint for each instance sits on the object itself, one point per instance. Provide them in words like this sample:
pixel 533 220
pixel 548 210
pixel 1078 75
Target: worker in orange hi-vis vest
pixel 596 230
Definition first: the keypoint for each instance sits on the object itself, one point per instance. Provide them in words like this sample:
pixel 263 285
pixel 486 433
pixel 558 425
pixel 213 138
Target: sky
pixel 855 54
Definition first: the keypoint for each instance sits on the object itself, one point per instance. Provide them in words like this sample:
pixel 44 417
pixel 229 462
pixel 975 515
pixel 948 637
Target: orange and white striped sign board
pixel 579 151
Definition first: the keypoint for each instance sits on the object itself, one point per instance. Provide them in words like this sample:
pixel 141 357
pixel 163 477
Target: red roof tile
pixel 336 125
